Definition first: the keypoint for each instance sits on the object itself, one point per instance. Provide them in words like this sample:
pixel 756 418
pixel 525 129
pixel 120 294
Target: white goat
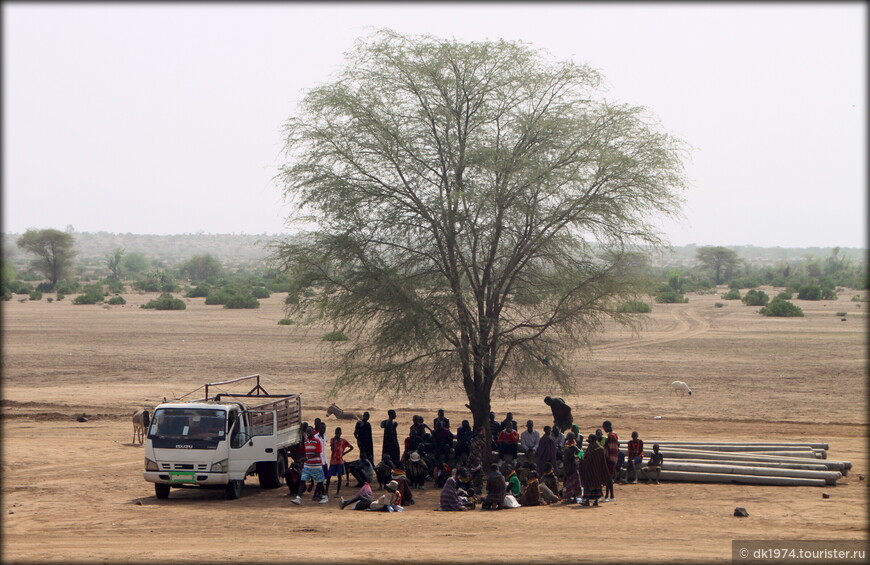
pixel 681 388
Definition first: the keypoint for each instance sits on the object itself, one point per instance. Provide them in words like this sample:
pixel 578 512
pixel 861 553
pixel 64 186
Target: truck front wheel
pixel 234 489
pixel 161 490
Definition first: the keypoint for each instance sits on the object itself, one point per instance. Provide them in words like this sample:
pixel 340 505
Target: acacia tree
pixel 53 249
pixel 721 261
pixel 113 262
pixel 200 267
pixel 477 214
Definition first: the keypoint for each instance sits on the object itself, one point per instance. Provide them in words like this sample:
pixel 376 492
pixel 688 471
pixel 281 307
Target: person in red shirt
pixel 508 441
pixel 635 456
pixel 339 447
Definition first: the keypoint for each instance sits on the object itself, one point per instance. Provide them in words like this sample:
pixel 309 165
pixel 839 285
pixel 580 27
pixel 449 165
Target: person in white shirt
pixel 529 440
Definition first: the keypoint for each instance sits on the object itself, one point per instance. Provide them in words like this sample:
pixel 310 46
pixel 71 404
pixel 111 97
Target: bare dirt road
pixel 73 492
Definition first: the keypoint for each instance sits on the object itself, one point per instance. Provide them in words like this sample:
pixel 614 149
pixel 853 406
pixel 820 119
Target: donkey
pixel 141 421
pixel 341 414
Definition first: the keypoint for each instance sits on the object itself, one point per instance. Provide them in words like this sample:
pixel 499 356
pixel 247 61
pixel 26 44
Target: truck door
pixel 252 439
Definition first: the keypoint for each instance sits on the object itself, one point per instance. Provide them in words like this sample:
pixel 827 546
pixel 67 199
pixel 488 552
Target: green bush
pixel 114 286
pixel 829 294
pixel 66 287
pixel 635 307
pixel 60 296
pixel 115 300
pixel 781 308
pixel 718 305
pixel 260 292
pixel 285 322
pixel 18 287
pixel 745 282
pixel 784 296
pixel 670 297
pixel 219 296
pixel 166 302
pixel 732 294
pixel 857 298
pixel 755 298
pixel 45 287
pixel 840 314
pixel 36 295
pixel 200 291
pixel 92 295
pixel 242 301
pixel 335 336
pixel 810 292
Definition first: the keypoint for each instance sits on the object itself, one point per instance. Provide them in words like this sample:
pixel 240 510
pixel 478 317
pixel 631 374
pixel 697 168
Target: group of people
pixel 529 470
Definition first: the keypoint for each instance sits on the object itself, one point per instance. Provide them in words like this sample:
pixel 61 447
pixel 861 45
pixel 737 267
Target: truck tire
pixel 234 489
pixel 271 473
pixel 161 490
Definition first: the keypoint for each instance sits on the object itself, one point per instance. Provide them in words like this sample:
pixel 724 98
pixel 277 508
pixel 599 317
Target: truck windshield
pixel 189 424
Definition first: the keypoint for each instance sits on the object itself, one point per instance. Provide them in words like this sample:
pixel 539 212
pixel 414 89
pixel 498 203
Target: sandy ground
pixel 73 492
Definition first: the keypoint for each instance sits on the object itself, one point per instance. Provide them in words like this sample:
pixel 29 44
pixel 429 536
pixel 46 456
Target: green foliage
pixel 199 291
pixel 675 280
pixel 260 292
pixel 285 322
pixel 670 297
pixel 19 287
pixel 732 294
pixel 113 262
pixel 810 292
pixel 68 287
pixel 114 286
pixel 219 296
pixel 92 295
pixel 156 280
pixel 781 308
pixel 116 300
pixel 9 272
pixel 784 295
pixel 54 252
pixel 35 295
pixel 239 301
pixel 165 302
pixel 635 307
pixel 201 267
pixel 6 294
pixel 135 263
pixel 335 336
pixel 745 282
pixel 840 314
pixel 721 262
pixel 756 298
pixel 719 305
pixel 858 298
pixel 60 296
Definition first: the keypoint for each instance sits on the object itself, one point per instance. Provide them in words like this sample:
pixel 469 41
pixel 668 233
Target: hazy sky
pixel 166 119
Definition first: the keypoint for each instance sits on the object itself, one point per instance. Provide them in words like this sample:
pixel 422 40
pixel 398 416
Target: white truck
pixel 219 441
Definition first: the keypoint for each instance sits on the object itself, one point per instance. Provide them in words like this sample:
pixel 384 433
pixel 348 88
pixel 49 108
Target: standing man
pixel 338 448
pixel 324 460
pixel 391 437
pixel 312 469
pixel 529 440
pixel 562 417
pixel 362 432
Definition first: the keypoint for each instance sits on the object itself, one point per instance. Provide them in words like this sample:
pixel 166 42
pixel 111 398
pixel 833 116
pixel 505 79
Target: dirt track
pixel 74 491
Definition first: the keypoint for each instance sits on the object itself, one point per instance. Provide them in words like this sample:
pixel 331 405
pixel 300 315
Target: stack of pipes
pixel 760 463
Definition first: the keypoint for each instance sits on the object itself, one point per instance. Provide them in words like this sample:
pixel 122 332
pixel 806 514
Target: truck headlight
pixel 150 465
pixel 220 466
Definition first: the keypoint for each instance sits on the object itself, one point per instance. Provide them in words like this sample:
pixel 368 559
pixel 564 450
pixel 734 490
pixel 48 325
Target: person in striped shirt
pixel 312 468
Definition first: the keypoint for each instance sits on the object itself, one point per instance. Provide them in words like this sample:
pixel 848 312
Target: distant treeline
pixel 244 248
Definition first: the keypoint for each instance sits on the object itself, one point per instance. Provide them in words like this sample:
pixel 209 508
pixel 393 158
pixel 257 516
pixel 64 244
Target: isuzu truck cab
pixel 219 441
